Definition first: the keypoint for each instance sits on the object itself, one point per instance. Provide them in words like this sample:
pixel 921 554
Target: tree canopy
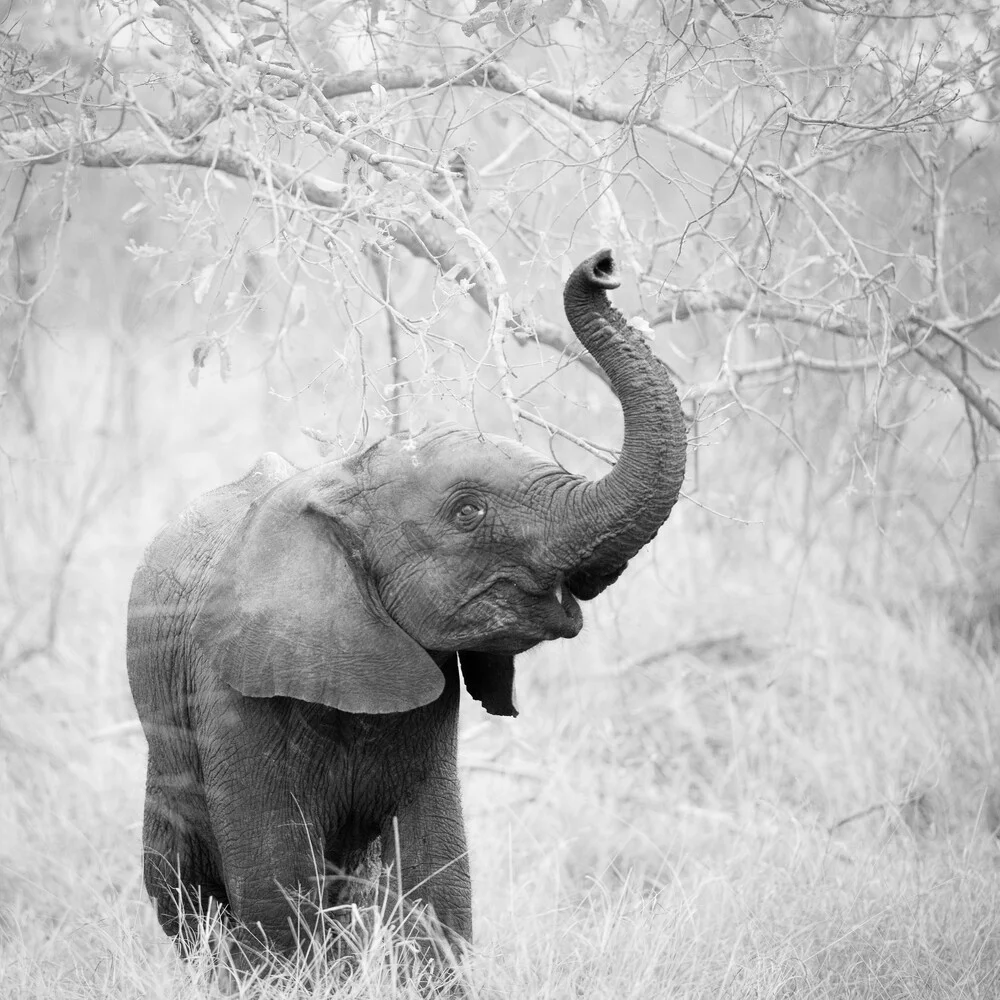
pixel 802 198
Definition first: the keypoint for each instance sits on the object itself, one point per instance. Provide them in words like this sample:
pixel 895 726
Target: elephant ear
pixel 287 611
pixel 489 678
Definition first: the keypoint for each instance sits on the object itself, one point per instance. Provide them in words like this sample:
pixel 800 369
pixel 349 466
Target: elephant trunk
pixel 610 519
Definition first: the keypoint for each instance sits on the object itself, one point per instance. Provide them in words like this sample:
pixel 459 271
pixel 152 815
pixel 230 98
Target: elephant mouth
pixel 522 611
pixel 560 611
pixel 566 599
pixel 587 584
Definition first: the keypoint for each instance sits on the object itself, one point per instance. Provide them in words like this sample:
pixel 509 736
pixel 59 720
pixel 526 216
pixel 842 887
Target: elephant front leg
pixel 275 876
pixel 180 865
pixel 426 855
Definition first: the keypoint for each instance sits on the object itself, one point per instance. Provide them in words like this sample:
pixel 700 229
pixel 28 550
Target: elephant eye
pixel 469 513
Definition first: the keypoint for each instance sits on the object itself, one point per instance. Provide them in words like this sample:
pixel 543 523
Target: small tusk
pixel 559 593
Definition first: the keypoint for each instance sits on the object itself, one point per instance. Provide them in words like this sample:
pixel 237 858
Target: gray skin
pixel 295 641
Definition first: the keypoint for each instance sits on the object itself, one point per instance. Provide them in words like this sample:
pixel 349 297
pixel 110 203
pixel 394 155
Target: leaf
pixel 551 10
pixel 296 307
pixel 513 18
pixel 200 353
pixel 145 250
pixel 203 282
pixel 656 67
pixel 6 248
pixel 924 265
pixel 198 358
pixel 600 11
pixel 478 21
pixel 137 209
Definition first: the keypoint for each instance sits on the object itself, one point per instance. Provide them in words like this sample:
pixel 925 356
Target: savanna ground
pixel 767 767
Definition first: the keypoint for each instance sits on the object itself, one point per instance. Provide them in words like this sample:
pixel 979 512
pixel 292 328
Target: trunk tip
pixel 600 270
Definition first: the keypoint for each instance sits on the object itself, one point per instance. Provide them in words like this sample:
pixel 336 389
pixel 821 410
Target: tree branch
pixel 497 76
pixel 975 396
pixel 780 367
pixel 688 303
pixel 55 143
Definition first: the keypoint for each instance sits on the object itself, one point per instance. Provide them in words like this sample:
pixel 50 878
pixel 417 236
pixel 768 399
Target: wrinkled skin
pixel 296 640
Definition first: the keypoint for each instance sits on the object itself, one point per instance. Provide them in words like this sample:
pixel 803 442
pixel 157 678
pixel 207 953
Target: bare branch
pixel 782 367
pixel 497 76
pixel 977 397
pixel 57 143
pixel 381 267
pixel 689 302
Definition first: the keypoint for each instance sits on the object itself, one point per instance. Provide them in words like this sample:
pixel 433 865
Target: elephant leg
pixel 180 866
pixel 273 850
pixel 274 872
pixel 433 864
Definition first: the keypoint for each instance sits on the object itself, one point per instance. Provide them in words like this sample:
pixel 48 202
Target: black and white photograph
pixel 500 499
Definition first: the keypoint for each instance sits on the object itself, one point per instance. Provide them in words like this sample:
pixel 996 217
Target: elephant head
pixel 348 584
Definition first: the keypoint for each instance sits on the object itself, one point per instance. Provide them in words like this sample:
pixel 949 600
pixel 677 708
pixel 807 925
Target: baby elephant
pixel 295 641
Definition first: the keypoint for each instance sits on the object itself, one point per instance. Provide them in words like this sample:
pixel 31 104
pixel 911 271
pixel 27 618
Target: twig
pixel 854 817
pixel 978 398
pixel 394 390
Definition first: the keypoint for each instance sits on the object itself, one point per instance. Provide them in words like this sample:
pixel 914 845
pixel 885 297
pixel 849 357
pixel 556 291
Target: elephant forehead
pixel 443 457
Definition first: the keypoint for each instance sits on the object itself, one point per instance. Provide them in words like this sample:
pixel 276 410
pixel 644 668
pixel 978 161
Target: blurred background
pixel 769 762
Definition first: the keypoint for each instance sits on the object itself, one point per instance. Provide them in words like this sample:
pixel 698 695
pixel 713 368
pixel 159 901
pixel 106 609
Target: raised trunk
pixel 607 521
